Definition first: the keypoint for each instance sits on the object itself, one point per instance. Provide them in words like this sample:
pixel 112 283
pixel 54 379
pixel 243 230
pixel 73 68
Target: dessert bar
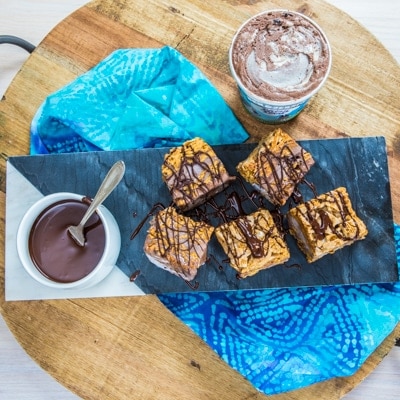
pixel 276 166
pixel 325 224
pixel 252 242
pixel 177 243
pixel 193 173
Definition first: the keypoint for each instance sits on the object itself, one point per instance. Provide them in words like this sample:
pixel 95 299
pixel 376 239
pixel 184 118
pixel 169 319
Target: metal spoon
pixel 109 183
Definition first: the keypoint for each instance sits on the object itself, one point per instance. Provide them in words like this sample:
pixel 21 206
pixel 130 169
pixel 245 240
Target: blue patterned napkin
pixel 285 339
pixel 134 99
pixel 279 339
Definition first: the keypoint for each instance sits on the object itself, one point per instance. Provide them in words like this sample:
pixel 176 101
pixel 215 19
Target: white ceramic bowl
pixel 104 266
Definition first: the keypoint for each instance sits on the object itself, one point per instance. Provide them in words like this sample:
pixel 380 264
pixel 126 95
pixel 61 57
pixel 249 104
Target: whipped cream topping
pixel 280 56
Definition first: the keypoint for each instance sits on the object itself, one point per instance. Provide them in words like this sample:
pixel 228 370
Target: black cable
pixel 29 47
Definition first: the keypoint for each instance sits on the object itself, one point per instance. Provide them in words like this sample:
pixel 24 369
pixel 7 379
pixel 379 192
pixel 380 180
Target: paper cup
pixel 112 244
pixel 279 60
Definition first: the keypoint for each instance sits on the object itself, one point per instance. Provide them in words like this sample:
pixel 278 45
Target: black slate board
pixel 359 164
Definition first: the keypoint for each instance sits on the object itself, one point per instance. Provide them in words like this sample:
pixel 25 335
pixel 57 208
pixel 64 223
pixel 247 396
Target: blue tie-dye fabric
pixel 133 99
pixel 285 339
pixel 279 339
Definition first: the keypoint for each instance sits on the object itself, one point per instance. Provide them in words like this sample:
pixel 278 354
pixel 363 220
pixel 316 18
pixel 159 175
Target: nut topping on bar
pixel 325 224
pixel 252 242
pixel 276 166
pixel 193 173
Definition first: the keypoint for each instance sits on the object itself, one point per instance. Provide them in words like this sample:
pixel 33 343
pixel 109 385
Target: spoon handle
pixel 111 180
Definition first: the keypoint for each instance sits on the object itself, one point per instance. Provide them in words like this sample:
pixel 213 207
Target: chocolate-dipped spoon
pixel 109 183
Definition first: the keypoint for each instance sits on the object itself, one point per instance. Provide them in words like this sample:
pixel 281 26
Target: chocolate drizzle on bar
pixel 252 243
pixel 255 244
pixel 321 221
pixel 234 202
pixel 186 179
pixel 281 167
pixel 276 167
pixel 287 166
pixel 193 174
pixel 231 204
pixel 180 238
pixel 325 224
pixel 177 243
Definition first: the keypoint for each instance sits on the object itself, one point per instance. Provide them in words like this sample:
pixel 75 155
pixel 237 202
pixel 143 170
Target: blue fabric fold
pixel 134 98
pixel 279 339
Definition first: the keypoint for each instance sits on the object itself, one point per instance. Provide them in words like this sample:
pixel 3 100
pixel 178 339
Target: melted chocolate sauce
pixel 134 275
pixel 297 196
pixel 157 206
pixel 279 221
pixel 311 186
pixel 211 258
pixel 193 286
pixel 54 253
pixel 295 265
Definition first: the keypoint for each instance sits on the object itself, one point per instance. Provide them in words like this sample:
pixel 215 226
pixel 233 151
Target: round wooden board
pixel 134 347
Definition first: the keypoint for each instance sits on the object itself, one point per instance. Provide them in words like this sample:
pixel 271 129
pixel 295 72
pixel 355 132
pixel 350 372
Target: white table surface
pixel 20 377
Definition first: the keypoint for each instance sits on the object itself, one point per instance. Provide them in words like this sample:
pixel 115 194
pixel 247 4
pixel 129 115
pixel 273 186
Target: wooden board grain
pixel 134 347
